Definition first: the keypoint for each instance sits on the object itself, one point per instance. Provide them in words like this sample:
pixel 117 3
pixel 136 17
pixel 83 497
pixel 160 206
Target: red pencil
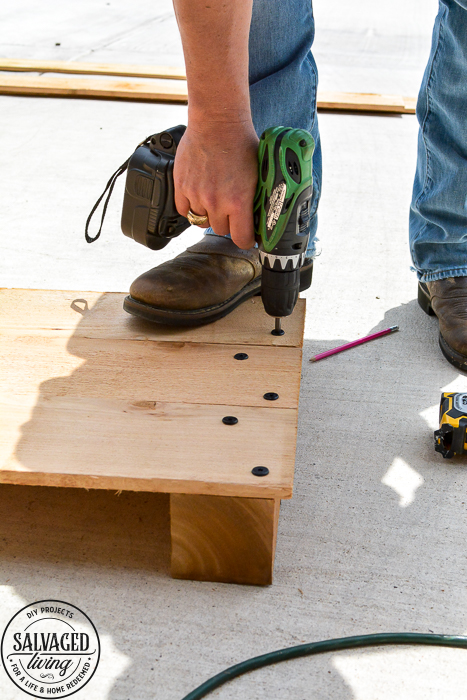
pixel 341 348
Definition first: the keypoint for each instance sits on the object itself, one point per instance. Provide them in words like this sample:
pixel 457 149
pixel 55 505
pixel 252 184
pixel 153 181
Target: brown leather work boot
pixel 205 283
pixel 447 299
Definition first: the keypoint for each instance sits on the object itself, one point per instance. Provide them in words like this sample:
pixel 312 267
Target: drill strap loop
pixel 108 188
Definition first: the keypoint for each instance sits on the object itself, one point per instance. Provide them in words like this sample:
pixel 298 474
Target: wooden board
pixel 100 315
pixel 223 539
pixel 366 102
pixel 146 446
pixel 144 412
pixel 176 91
pixel 83 68
pixel 170 372
pixel 51 86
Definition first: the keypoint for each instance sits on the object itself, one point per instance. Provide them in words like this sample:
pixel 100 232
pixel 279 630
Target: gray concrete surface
pixel 374 538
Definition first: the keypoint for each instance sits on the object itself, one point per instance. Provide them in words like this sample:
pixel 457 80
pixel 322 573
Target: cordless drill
pixel 281 215
pixel 281 208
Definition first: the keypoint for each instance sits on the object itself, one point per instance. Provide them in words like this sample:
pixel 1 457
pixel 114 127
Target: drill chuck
pixel 279 291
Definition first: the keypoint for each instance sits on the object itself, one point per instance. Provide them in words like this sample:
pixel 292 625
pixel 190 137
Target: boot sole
pixel 199 317
pixel 452 356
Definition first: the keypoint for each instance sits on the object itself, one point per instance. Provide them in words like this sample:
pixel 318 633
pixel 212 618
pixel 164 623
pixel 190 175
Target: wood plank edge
pixel 111 483
pixel 340 101
pixel 91 93
pixel 76 87
pixel 83 68
pixel 343 106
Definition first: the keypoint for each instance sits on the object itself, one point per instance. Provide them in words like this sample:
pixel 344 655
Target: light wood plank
pixel 176 91
pixel 230 540
pixel 82 68
pixel 410 104
pixel 45 313
pixel 146 446
pixel 51 86
pixel 93 315
pixel 149 371
pixel 365 102
pixel 126 412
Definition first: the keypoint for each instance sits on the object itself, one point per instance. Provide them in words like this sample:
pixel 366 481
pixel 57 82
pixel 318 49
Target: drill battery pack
pixel 149 215
pixel 451 438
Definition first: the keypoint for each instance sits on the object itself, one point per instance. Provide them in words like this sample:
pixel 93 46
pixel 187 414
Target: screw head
pixel 260 471
pixel 241 356
pixel 230 420
pixel 302 143
pixel 271 396
pixel 277 332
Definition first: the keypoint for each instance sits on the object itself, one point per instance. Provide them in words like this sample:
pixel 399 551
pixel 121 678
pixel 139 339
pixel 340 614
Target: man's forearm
pixel 215 43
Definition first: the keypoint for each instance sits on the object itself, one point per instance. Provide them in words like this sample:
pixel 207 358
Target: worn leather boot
pixel 447 299
pixel 206 282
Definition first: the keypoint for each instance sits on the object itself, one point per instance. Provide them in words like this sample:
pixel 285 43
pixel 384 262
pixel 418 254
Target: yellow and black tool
pixel 451 438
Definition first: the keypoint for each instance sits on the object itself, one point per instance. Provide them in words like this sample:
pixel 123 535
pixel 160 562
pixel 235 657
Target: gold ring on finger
pixel 197 219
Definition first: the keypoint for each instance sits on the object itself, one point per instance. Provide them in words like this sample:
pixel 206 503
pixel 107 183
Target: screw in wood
pixel 271 396
pixel 260 471
pixel 230 420
pixel 241 356
pixel 277 328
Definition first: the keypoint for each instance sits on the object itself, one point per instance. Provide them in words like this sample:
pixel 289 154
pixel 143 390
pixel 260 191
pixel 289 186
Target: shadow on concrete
pixel 376 512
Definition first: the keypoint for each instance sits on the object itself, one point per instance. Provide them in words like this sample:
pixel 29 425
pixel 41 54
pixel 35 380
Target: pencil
pixel 353 344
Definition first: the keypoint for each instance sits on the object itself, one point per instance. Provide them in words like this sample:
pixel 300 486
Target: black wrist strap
pixel 108 188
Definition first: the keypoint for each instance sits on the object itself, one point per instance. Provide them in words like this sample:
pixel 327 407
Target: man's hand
pixel 215 173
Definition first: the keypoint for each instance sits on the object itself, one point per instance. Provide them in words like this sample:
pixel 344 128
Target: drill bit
pixel 277 328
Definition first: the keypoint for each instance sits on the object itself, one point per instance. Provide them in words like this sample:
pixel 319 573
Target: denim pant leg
pixel 438 216
pixel 283 78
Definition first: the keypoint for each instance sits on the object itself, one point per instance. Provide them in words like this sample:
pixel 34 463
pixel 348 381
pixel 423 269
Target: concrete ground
pixel 374 538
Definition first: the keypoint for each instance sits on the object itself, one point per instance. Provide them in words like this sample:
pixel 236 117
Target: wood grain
pixel 365 102
pixel 82 68
pixel 173 372
pixel 51 86
pixel 228 540
pixel 86 400
pixel 49 313
pixel 146 446
pixel 176 91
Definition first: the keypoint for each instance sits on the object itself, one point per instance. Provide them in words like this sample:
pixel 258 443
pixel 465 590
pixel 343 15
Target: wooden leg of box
pixel 223 538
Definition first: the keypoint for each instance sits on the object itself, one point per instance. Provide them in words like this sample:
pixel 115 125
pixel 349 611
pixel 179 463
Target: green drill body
pixel 281 214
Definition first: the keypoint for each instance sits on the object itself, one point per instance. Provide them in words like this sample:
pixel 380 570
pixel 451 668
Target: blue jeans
pixel 283 78
pixel 283 85
pixel 438 214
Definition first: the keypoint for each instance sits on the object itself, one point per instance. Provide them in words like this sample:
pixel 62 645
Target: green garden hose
pixel 365 640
